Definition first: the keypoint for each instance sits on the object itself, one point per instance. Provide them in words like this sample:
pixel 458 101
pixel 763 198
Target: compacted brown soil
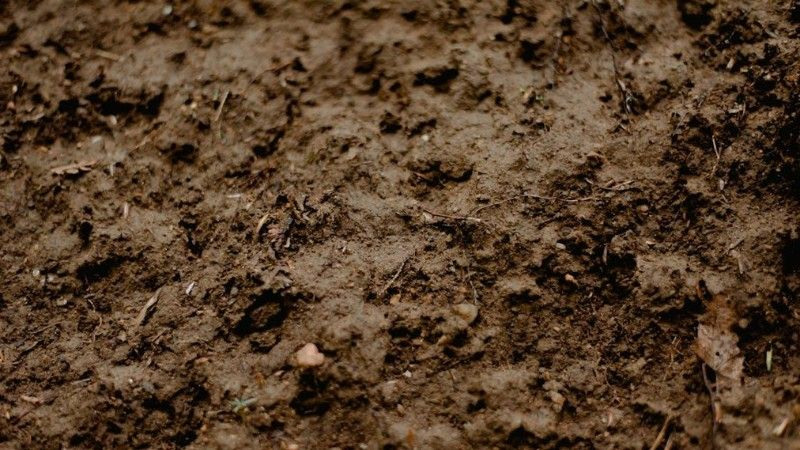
pixel 507 223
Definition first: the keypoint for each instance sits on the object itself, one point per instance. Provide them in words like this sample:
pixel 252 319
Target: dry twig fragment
pixel 145 311
pixel 73 169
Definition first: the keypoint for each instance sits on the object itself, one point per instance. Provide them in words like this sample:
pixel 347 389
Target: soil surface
pixel 507 223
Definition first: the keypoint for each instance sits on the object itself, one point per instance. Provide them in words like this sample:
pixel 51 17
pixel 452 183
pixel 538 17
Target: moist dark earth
pixel 504 224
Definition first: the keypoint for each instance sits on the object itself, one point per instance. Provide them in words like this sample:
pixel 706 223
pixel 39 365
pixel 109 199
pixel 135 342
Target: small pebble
pixel 167 10
pixel 560 246
pixel 466 311
pixel 309 356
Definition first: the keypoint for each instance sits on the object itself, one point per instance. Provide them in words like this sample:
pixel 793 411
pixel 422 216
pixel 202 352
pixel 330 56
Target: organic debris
pixel 144 313
pixel 716 344
pixel 74 169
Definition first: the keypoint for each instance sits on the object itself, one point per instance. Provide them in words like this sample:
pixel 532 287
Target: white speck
pixel 189 288
pixel 560 246
pixel 36 272
pixel 426 138
pixel 407 374
pixel 167 10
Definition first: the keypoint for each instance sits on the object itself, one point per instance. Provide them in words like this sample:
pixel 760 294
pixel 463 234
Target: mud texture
pixel 503 223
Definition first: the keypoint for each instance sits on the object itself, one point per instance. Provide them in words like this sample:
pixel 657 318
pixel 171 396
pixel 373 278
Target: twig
pixel 394 278
pixel 74 169
pixel 221 105
pixel 544 197
pixel 661 433
pixel 735 244
pixel 558 199
pixel 145 311
pixel 621 187
pixel 24 352
pixel 715 413
pixel 42 330
pixel 565 12
pixel 626 97
pixel 472 286
pixel 445 216
pixel 716 152
pixel 669 444
pixel 492 205
pixel 108 55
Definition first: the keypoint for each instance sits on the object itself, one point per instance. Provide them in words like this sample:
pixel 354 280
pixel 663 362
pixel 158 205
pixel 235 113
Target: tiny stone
pixel 466 311
pixel 309 356
pixel 61 302
pixel 560 246
pixel 167 10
